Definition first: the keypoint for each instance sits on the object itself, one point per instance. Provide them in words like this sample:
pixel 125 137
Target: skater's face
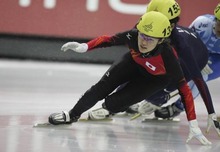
pixel 146 43
pixel 217 28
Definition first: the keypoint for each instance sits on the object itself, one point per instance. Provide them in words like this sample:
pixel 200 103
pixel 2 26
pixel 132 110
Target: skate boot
pixel 99 114
pixel 168 112
pixel 61 118
pixel 133 109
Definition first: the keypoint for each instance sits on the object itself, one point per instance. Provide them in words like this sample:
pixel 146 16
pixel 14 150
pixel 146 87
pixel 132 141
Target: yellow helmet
pixel 154 24
pixel 217 11
pixel 170 8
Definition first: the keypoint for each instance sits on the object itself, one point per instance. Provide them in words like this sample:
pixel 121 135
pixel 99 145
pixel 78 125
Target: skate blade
pixel 135 116
pixel 161 120
pixel 46 124
pixel 89 119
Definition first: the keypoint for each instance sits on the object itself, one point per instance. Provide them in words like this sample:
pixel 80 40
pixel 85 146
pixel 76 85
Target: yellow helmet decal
pixel 217 11
pixel 170 8
pixel 154 24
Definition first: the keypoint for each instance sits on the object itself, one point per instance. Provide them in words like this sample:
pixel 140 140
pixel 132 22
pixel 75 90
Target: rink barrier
pixel 48 49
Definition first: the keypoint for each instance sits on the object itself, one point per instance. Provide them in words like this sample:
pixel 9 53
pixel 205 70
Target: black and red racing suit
pixel 145 74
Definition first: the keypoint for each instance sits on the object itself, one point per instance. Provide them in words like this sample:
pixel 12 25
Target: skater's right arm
pixel 99 42
pixel 174 68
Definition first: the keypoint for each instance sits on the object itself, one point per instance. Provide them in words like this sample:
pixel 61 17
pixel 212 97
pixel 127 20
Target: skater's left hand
pixel 197 133
pixel 212 121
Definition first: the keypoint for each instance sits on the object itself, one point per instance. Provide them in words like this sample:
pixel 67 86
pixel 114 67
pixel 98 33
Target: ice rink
pixel 30 91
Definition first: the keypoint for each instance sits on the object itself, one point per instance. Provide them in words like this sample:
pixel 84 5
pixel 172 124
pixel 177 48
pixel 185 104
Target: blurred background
pixel 32 32
pixel 36 29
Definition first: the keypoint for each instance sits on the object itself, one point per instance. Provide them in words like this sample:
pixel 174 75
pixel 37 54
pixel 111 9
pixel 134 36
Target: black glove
pixel 212 121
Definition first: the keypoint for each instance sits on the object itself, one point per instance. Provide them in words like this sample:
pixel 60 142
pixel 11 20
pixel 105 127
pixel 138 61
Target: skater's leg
pixel 134 92
pixel 119 73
